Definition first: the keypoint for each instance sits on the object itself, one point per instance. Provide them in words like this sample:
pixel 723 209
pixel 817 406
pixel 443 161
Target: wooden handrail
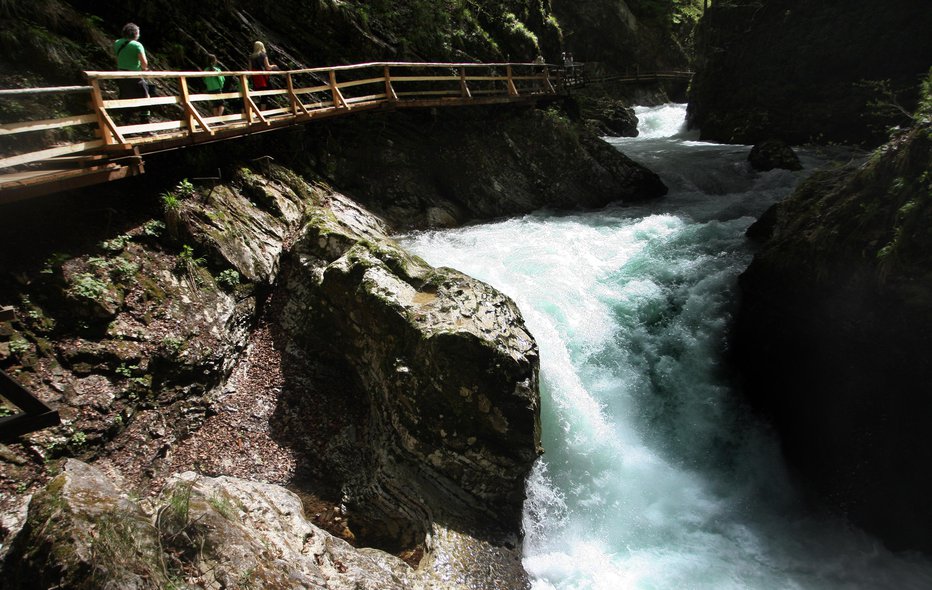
pixel 308 93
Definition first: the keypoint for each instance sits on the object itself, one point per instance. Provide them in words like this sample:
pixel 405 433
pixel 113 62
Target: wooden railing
pixel 181 109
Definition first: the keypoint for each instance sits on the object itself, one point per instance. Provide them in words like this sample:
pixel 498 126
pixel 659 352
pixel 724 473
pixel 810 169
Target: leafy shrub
pixel 87 286
pixel 116 244
pixel 153 228
pixel 228 279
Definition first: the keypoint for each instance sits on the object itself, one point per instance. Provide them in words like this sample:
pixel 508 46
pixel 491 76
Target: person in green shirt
pixel 131 57
pixel 214 84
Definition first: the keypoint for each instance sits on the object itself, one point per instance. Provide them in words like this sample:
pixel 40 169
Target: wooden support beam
pixel 252 111
pixel 547 80
pixel 191 114
pixel 35 414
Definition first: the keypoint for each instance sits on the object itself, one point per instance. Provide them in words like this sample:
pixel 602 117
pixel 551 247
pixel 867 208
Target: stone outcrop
pixel 797 70
pixel 442 169
pixel 773 153
pixel 82 531
pixel 833 336
pixel 449 371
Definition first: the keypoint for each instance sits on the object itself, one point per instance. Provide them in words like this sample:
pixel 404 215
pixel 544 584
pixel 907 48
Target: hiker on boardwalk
pixel 214 84
pixel 259 62
pixel 131 57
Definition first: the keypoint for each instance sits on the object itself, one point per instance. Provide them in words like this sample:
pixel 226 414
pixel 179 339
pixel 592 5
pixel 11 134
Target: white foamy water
pixel 654 476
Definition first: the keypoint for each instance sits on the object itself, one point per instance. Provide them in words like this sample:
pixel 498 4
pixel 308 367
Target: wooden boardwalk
pixel 107 141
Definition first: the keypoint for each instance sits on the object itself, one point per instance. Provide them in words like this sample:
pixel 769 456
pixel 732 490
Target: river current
pixel 654 474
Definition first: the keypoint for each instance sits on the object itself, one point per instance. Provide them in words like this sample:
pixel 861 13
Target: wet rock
pixel 773 153
pixel 445 359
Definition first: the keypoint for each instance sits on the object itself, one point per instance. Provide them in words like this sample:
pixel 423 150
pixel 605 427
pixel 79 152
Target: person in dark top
pixel 259 62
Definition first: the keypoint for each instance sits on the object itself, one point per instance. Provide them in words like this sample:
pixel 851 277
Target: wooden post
pixel 108 131
pixel 249 106
pixel 464 88
pixel 549 85
pixel 295 101
pixel 389 90
pixel 338 100
pixel 512 90
pixel 291 95
pixel 191 114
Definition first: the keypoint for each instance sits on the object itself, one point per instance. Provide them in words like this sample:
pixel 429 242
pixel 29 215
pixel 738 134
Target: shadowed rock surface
pixel 834 336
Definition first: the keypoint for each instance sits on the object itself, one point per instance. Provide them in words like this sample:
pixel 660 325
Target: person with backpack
pixel 131 57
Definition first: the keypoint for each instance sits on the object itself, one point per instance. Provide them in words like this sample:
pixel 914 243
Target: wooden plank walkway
pixel 110 145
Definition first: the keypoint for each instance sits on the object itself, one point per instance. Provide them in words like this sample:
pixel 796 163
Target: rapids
pixel 655 476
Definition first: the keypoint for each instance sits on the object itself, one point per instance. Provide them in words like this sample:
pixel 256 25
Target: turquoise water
pixel 654 476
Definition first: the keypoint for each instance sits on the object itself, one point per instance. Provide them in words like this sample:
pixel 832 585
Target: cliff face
pixel 621 35
pixel 52 41
pixel 795 70
pixel 834 336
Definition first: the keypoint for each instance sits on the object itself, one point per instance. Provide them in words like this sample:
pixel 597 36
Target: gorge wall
pixel 834 333
pixel 796 70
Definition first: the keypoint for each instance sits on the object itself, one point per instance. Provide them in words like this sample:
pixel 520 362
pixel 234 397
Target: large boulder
pixel 450 372
pixel 773 153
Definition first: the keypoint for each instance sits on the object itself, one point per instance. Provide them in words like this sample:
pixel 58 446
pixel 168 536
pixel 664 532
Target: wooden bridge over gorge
pixel 101 138
pixel 107 141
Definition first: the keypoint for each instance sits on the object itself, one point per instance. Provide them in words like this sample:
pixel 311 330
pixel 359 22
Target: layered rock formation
pixel 85 532
pixel 834 336
pixel 808 71
pixel 449 371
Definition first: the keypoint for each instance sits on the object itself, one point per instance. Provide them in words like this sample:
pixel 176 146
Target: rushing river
pixel 654 476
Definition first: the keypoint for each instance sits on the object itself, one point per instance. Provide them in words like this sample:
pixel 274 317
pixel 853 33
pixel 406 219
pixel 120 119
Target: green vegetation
pixel 189 266
pixel 19 345
pixel 228 279
pixel 116 244
pixel 494 30
pixel 173 345
pixel 87 286
pixel 153 228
